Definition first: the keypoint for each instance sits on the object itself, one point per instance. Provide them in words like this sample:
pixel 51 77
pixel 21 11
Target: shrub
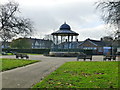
pixel 36 51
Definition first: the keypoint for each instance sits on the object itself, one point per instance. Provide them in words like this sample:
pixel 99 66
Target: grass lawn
pixel 82 75
pixel 8 64
pixel 9 53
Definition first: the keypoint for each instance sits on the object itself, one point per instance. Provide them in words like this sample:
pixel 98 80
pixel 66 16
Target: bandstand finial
pixel 65 22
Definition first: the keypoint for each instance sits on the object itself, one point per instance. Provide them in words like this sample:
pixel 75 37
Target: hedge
pixel 36 51
pixel 88 52
pixel 40 51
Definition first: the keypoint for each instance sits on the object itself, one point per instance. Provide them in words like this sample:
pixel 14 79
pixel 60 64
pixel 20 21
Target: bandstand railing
pixel 66 50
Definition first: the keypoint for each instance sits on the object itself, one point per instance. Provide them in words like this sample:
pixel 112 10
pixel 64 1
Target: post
pixel 53 42
pixel 57 41
pixel 68 41
pixel 61 42
pixel 72 41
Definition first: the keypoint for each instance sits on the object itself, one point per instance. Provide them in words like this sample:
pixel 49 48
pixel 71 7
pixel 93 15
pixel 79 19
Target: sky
pixel 49 15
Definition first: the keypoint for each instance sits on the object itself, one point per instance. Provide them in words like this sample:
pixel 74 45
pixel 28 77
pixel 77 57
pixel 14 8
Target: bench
pixel 109 57
pixel 84 57
pixel 21 55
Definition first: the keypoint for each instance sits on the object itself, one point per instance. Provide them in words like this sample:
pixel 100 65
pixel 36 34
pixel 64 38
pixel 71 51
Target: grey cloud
pixel 78 15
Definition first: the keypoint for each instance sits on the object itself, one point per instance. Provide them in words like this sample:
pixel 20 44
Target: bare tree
pixel 48 37
pixel 111 13
pixel 11 24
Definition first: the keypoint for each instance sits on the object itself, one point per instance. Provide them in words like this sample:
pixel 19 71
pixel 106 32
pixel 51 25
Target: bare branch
pixel 110 13
pixel 10 24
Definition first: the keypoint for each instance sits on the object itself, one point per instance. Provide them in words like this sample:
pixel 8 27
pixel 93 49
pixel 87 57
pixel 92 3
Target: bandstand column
pixel 61 41
pixel 71 38
pixel 68 41
pixel 71 41
pixel 57 41
pixel 53 41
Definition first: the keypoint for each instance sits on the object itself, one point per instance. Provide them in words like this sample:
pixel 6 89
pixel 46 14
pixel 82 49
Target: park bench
pixel 21 55
pixel 84 56
pixel 109 57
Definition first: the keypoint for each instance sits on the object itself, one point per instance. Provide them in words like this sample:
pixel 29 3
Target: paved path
pixel 26 77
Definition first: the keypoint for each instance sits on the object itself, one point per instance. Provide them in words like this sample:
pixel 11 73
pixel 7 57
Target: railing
pixel 66 50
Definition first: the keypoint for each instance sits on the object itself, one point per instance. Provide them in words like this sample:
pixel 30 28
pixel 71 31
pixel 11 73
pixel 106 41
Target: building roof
pixel 65 30
pixel 95 42
pixel 98 42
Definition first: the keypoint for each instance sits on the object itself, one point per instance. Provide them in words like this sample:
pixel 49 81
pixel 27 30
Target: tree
pixel 111 14
pixel 21 43
pixel 11 24
pixel 48 37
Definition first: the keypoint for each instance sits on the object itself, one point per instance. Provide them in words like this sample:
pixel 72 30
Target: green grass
pixel 8 64
pixel 9 53
pixel 82 75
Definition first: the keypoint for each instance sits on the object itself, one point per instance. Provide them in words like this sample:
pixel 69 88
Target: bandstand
pixel 63 42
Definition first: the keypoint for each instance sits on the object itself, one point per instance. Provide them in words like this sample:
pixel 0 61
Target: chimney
pixel 101 39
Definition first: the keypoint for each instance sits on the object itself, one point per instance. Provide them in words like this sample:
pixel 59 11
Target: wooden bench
pixel 21 55
pixel 109 57
pixel 84 57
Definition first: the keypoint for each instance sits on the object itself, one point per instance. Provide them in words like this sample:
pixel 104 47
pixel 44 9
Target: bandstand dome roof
pixel 64 31
pixel 65 26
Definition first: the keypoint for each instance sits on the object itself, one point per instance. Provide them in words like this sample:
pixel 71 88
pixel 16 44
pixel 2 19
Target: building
pixel 97 46
pixel 41 43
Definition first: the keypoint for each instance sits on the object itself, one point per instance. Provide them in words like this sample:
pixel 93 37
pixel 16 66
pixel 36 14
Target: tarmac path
pixel 27 76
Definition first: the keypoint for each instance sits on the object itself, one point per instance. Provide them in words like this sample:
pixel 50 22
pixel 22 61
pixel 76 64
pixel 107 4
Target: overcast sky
pixel 49 15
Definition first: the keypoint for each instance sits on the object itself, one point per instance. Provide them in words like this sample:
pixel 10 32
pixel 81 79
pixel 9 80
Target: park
pixel 61 59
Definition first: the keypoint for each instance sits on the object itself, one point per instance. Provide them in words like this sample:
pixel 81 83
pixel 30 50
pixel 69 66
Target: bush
pixel 42 51
pixel 35 51
pixel 88 52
